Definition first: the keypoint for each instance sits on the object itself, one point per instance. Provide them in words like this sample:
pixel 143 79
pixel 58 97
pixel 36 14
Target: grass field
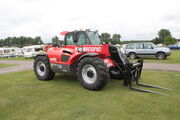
pixel 16 58
pixel 6 65
pixel 23 97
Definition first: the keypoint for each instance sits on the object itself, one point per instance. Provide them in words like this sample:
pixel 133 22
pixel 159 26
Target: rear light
pixel 109 65
pixel 109 62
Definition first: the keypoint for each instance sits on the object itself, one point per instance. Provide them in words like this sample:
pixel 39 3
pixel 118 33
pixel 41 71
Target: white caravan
pixel 32 51
pixel 10 52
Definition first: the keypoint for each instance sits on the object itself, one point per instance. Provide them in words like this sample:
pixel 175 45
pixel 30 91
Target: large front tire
pixel 42 68
pixel 92 73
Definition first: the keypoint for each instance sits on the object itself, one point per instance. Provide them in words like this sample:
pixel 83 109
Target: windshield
pixel 153 45
pixel 94 38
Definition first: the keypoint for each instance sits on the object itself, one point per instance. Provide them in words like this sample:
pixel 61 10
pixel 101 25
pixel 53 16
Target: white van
pixel 32 51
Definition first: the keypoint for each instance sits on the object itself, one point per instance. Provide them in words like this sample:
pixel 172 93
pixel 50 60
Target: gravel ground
pixel 21 65
pixel 162 66
pixel 28 65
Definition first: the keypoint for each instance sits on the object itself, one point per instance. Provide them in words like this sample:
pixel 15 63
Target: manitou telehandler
pixel 94 63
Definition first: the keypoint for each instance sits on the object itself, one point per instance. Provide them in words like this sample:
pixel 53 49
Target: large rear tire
pixel 92 73
pixel 42 68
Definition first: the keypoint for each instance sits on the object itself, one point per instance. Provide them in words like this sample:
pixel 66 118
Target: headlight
pixel 168 50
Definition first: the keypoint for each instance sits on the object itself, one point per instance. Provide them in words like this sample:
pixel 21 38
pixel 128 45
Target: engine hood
pixel 164 49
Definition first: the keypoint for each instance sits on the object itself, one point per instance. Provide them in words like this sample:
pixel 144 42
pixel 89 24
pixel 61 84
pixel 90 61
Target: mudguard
pixel 41 54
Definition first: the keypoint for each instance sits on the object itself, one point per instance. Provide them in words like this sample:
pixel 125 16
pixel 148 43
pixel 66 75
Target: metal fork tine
pixel 152 86
pixel 133 73
pixel 148 91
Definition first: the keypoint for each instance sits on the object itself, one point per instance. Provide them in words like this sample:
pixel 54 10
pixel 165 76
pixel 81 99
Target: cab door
pixel 82 39
pixel 67 49
pixel 60 55
pixel 71 44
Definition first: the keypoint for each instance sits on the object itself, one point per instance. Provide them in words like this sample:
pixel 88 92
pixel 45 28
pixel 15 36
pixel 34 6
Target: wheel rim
pixel 41 68
pixel 89 74
pixel 161 56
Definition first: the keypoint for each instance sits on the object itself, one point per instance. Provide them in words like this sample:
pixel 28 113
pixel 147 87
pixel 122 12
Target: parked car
pixel 174 47
pixel 147 49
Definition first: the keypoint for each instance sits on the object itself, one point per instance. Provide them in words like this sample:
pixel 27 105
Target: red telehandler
pixel 94 63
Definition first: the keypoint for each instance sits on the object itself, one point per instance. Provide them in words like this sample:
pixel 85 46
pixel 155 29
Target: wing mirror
pixel 57 43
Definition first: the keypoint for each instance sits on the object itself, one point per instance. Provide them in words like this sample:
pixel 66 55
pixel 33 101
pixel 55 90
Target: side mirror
pixel 57 44
pixel 152 47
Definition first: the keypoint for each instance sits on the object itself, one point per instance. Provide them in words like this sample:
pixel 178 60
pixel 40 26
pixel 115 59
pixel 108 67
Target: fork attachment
pixel 132 73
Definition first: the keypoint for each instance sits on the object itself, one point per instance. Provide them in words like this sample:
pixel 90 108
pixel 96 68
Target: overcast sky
pixel 133 19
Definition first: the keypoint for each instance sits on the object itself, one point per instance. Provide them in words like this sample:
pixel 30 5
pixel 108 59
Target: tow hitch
pixel 132 73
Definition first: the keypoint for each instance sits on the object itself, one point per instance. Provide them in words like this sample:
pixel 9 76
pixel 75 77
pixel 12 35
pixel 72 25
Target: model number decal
pixel 88 49
pixel 53 59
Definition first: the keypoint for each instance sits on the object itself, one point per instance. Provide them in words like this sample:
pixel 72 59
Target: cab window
pixel 69 39
pixel 82 39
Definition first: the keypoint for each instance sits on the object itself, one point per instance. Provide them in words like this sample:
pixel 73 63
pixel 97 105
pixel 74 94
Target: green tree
pixel 156 41
pixel 20 41
pixel 169 40
pixel 38 40
pixel 1 42
pixel 106 37
pixel 7 42
pixel 54 39
pixel 116 39
pixel 163 33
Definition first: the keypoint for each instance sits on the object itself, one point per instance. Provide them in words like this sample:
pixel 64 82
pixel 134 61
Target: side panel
pixel 99 49
pixel 65 56
pixel 76 51
pixel 62 59
pixel 60 68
